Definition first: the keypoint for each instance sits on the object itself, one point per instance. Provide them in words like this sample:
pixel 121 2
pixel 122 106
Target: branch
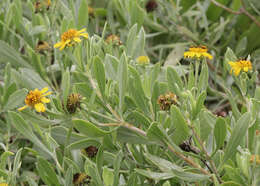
pixel 241 11
pixel 225 8
pixel 100 96
pixel 187 160
pixel 212 164
pixel 143 133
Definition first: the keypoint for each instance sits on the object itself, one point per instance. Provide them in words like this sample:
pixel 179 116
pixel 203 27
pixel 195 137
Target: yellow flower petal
pixel 245 69
pixel 45 89
pixel 82 30
pixel 237 71
pixel 39 107
pixel 48 93
pixel 20 109
pixel 187 54
pixel 84 35
pixel 67 41
pixel 45 100
pixel 231 63
pixel 57 45
pixel 197 52
pixel 62 46
pixel 207 55
pixel 77 39
pixel 3 184
pixel 198 55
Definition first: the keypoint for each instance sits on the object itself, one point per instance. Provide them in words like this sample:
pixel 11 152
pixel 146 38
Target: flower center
pixel 244 63
pixel 70 34
pixel 33 98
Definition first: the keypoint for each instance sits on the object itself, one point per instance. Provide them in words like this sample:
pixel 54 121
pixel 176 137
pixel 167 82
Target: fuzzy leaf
pixel 181 130
pixel 89 129
pixel 99 72
pixel 237 136
pixel 220 132
pixel 15 99
pixel 46 172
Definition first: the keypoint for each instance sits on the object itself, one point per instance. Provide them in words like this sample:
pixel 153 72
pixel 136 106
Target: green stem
pixel 102 115
pixel 143 133
pixel 66 151
pixel 197 64
pixel 68 135
pixel 212 164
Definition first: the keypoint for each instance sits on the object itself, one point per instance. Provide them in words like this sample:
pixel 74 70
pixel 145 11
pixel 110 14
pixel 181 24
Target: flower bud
pixel 73 102
pixel 165 101
pixel 90 151
pixel 151 5
pixel 81 179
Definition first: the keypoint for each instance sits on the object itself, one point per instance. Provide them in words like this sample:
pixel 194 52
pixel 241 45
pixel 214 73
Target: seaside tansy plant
pixel 70 38
pixel 141 107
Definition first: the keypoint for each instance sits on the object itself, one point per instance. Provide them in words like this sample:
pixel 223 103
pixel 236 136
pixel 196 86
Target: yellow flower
pixel 237 66
pixel 143 60
pixel 3 184
pixel 255 158
pixel 197 52
pixel 36 99
pixel 70 38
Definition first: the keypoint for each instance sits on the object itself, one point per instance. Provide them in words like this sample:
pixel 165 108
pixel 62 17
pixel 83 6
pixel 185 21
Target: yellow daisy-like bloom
pixel 197 52
pixel 36 99
pixel 3 184
pixel 143 60
pixel 237 66
pixel 70 38
pixel 255 158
